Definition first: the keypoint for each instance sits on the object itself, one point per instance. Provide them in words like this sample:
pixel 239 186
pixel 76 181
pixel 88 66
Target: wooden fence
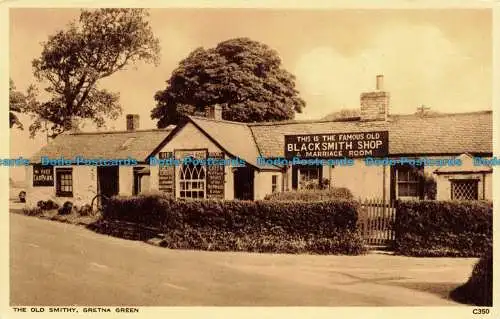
pixel 376 220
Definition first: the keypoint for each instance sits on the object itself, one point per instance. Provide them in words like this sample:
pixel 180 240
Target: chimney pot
pixel 380 82
pixel 214 112
pixel 132 122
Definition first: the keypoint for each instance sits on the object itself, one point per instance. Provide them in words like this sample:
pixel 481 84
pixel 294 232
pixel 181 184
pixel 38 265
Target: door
pixel 107 180
pixel 243 183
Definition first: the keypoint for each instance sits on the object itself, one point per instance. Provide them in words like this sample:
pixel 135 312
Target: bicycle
pixel 100 201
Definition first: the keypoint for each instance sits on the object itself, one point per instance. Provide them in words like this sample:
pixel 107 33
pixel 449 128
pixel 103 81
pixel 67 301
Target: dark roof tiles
pixel 408 134
pixel 105 145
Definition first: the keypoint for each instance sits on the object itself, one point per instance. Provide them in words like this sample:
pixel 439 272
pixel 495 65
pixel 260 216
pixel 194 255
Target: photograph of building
pixel 435 137
pixel 250 157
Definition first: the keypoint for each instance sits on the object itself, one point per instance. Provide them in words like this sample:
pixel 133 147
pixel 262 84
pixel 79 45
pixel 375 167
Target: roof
pixel 408 134
pixel 234 137
pixel 467 166
pixel 107 145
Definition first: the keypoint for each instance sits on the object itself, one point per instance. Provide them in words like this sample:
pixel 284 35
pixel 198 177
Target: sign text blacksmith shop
pixel 336 145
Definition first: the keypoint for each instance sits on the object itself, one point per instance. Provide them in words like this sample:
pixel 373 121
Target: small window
pixel 408 181
pixel 64 182
pixel 466 189
pixel 310 176
pixel 274 183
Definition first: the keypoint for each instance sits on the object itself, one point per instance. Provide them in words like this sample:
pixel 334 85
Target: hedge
pixel 312 195
pixel 478 290
pixel 443 228
pixel 325 227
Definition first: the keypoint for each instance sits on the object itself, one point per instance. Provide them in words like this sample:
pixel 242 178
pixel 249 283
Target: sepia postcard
pixel 249 159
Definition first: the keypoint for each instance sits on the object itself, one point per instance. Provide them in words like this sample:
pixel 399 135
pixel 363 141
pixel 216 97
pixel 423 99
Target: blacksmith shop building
pixel 437 137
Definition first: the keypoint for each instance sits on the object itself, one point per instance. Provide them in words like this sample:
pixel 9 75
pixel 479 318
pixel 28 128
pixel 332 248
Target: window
pixel 274 183
pixel 310 176
pixel 141 175
pixel 465 189
pixel 64 182
pixel 408 181
pixel 192 181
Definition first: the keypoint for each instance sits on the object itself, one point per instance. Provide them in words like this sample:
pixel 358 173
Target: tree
pixel 99 44
pixel 342 114
pixel 17 102
pixel 243 76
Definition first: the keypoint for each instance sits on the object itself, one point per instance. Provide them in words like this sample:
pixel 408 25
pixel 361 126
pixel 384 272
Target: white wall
pixel 190 138
pixel 263 183
pixel 84 187
pixel 363 181
pixel 126 180
pixel 444 185
pixel 367 181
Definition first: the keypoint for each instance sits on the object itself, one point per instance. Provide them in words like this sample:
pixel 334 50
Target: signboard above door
pixel 337 145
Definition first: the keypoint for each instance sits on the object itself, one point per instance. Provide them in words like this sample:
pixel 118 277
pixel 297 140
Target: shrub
pixel 40 204
pixel 443 228
pixel 324 227
pixel 47 205
pixel 22 196
pixel 149 210
pixel 311 195
pixel 66 208
pixel 85 210
pixel 478 290
pixel 36 211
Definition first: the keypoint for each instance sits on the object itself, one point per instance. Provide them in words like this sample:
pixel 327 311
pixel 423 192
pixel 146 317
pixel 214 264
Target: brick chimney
pixel 214 112
pixel 132 122
pixel 375 105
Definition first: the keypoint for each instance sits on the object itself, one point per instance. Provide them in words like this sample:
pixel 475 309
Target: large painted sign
pixel 337 145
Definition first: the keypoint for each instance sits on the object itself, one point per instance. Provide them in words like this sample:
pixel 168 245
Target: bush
pixel 47 205
pixel 85 210
pixel 326 227
pixel 22 196
pixel 443 228
pixel 32 211
pixel 478 290
pixel 148 210
pixel 312 195
pixel 66 209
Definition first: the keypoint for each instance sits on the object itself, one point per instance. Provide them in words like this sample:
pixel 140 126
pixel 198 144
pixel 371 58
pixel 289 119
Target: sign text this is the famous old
pixel 336 145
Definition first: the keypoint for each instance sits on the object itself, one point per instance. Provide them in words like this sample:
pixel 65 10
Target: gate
pixel 376 220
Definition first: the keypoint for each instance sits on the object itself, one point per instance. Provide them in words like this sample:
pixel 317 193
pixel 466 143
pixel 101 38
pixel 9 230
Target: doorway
pixel 107 180
pixel 243 183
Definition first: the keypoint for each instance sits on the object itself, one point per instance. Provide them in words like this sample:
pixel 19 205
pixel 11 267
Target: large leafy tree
pixel 245 77
pixel 73 60
pixel 17 102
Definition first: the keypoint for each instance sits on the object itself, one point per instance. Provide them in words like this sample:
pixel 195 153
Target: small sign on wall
pixel 215 178
pixel 43 175
pixel 166 175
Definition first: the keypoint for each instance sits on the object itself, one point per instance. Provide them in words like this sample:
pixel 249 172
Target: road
pixel 60 264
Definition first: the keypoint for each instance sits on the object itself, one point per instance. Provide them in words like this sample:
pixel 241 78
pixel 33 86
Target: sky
pixel 438 58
